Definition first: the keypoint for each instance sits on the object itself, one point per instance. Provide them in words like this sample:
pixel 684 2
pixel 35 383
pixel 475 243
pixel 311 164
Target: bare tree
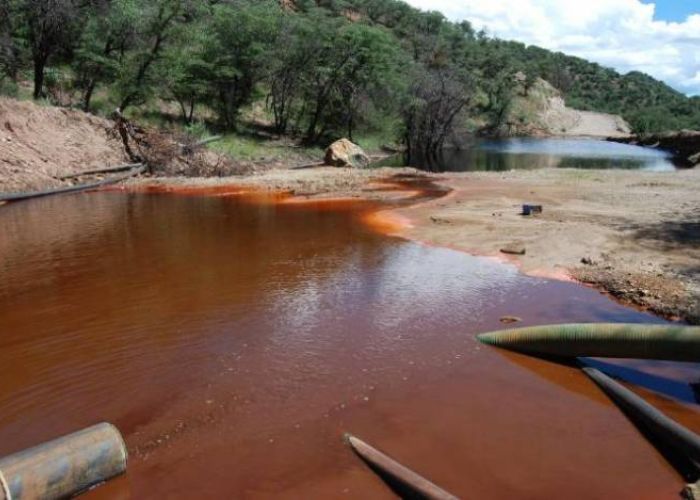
pixel 437 98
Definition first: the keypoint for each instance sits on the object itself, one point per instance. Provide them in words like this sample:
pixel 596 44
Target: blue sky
pixel 658 37
pixel 675 10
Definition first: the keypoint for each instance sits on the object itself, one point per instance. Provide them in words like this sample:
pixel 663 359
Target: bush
pixel 8 88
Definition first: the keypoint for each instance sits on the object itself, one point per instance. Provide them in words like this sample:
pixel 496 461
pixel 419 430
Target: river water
pixel 530 153
pixel 234 339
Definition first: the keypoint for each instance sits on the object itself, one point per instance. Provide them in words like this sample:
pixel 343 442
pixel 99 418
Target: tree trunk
pixel 39 65
pixel 190 116
pixel 125 102
pixel 183 111
pixel 88 95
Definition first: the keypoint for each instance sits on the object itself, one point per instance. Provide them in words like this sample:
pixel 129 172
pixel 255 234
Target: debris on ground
pixel 514 249
pixel 508 320
pixel 168 154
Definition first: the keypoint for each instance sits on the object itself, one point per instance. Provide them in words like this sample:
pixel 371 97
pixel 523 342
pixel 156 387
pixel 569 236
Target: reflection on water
pixel 236 339
pixel 530 153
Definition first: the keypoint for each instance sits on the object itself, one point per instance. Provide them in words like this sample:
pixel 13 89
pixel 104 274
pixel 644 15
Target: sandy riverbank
pixel 633 234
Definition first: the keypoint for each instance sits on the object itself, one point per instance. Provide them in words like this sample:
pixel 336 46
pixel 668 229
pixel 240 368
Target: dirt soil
pixel 540 110
pixel 559 120
pixel 40 143
pixel 633 234
pixel 591 124
pixel 310 183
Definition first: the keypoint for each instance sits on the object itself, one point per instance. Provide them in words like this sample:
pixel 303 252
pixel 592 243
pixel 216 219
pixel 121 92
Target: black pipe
pixel 71 189
pixel 120 168
pixel 658 424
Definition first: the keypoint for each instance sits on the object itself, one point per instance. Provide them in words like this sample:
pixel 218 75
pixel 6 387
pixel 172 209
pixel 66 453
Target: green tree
pixel 50 26
pixel 109 34
pixel 351 60
pixel 185 70
pixel 236 53
pixel 9 51
pixel 157 21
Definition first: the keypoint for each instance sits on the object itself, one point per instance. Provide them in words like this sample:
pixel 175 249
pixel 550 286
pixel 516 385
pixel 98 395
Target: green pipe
pixel 664 342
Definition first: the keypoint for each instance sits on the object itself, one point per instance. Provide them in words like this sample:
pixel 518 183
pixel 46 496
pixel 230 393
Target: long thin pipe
pixel 397 472
pixel 120 168
pixel 666 429
pixel 71 189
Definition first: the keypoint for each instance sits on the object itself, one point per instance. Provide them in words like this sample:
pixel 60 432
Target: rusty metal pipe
pixel 412 484
pixel 65 466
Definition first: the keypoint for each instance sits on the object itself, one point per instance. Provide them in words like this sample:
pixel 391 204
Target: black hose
pixel 120 168
pixel 666 429
pixel 71 189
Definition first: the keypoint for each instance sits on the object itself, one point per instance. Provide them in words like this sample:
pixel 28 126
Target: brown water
pixel 234 340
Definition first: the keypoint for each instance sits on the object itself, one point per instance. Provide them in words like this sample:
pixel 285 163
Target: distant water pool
pixel 531 153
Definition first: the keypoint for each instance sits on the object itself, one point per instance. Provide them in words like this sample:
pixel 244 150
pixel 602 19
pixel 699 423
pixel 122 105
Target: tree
pixel 350 60
pixel 437 97
pixel 185 70
pixel 236 53
pixel 50 25
pixel 292 56
pixel 109 33
pixel 157 22
pixel 9 52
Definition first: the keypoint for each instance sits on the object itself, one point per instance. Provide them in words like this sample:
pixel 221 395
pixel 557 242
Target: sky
pixel 658 37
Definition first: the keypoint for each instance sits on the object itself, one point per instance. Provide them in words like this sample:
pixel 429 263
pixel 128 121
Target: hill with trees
pixel 317 69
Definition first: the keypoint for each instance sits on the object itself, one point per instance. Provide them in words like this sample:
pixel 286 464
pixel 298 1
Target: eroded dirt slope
pixel 540 110
pixel 40 143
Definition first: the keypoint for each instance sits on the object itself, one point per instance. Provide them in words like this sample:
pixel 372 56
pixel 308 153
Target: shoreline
pixel 629 234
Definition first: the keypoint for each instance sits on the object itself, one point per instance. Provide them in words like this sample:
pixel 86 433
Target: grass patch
pixel 248 148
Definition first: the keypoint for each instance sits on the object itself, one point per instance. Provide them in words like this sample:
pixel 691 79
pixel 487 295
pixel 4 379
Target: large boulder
pixel 344 153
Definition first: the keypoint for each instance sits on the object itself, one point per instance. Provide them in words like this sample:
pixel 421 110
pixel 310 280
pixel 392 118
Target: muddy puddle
pixel 234 339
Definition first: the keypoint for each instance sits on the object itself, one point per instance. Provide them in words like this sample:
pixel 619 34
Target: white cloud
pixel 618 33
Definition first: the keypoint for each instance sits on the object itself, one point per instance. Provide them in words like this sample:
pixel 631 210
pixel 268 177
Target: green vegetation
pixel 251 148
pixel 373 70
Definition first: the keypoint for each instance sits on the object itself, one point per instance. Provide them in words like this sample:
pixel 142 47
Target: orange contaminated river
pixel 234 340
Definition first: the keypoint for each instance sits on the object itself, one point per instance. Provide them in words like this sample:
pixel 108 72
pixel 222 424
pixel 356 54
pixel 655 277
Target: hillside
pixel 645 103
pixel 377 71
pixel 649 105
pixel 540 110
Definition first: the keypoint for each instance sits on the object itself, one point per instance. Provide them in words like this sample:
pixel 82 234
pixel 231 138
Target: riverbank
pixel 684 145
pixel 632 234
